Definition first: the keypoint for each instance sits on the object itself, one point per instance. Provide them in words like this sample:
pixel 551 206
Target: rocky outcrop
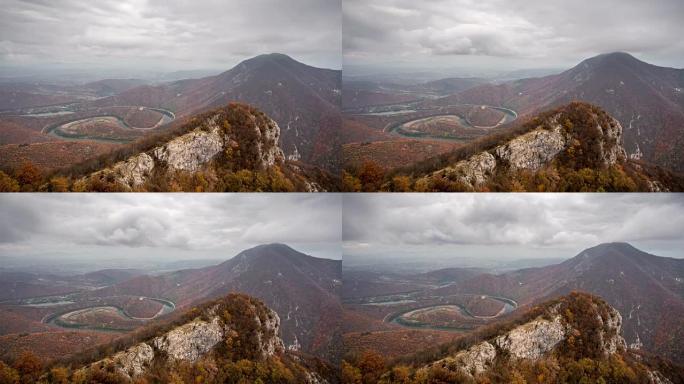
pixel 192 150
pixel 538 338
pixel 134 171
pixel 609 335
pixel 185 343
pixel 558 133
pixel 610 147
pixel 528 341
pixel 532 150
pixel 255 138
pixel 195 340
pixel 190 341
pixel 267 143
pixel 268 342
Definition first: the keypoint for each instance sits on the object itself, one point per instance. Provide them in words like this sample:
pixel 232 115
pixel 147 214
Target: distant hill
pixel 648 291
pixel 450 85
pixel 303 100
pixel 646 99
pixel 110 87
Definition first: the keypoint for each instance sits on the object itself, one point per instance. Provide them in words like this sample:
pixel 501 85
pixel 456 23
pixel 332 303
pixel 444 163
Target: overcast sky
pixel 168 226
pixel 509 226
pixel 505 35
pixel 167 34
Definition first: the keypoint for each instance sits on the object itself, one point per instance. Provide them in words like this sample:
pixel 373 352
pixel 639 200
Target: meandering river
pixel 62 319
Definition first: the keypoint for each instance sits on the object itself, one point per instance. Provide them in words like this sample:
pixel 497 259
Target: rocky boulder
pixel 532 340
pixel 192 150
pixel 190 341
pixel 532 150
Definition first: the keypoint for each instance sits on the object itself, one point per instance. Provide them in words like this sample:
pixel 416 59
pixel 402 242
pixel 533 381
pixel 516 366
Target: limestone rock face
pixel 472 361
pixel 190 151
pixel 610 337
pixel 268 335
pixel 535 339
pixel 133 361
pixel 267 145
pixel 133 171
pixel 538 147
pixel 532 340
pixel 611 147
pixel 190 341
pixel 473 171
pixel 532 150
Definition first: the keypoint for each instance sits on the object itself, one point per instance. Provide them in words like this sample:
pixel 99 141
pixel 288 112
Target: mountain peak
pixel 269 58
pixel 272 247
pixel 615 253
pixel 617 245
pixel 622 248
pixel 619 55
pixel 271 251
pixel 612 59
